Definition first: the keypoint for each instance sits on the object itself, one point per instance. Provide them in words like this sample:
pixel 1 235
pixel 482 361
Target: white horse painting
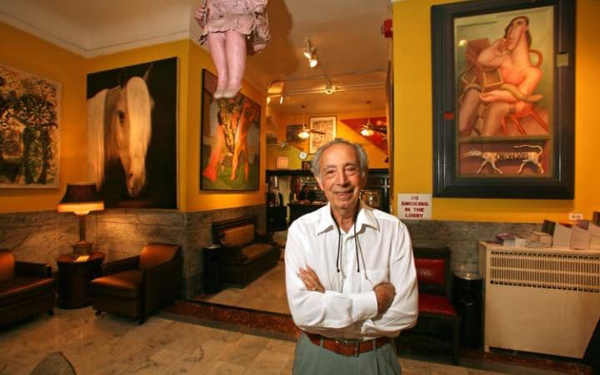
pixel 119 128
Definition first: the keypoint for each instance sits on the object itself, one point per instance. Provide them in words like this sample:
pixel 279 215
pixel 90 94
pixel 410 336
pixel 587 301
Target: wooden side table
pixel 74 278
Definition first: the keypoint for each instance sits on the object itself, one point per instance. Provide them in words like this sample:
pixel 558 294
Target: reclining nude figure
pixel 514 98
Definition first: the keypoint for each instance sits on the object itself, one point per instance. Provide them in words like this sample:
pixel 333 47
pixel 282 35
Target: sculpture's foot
pixel 219 93
pixel 231 93
pixel 210 173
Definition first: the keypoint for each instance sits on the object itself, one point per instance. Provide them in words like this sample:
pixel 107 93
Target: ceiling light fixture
pixel 304 134
pixel 367 129
pixel 370 129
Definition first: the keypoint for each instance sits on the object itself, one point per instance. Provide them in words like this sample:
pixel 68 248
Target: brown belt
pixel 347 348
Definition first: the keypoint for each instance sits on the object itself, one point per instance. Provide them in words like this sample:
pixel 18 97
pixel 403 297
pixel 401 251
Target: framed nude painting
pixel 503 99
pixel 29 130
pixel 230 140
pixel 322 131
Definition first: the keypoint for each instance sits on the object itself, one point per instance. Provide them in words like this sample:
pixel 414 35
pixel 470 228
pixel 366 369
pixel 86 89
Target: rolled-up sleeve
pixel 403 312
pixel 315 311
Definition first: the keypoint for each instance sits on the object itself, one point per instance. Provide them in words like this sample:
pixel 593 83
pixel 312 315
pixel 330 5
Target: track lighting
pixel 329 88
pixel 311 54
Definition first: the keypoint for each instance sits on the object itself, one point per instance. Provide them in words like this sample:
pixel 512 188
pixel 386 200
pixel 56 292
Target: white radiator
pixel 540 300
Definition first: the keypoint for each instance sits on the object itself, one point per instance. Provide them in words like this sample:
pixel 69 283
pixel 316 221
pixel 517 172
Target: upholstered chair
pixel 26 289
pixel 137 286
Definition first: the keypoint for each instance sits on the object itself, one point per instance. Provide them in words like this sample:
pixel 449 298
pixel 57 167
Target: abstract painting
pixel 29 130
pixel 326 126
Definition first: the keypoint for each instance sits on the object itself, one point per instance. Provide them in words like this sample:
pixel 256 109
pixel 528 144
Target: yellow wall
pixel 413 159
pixel 29 54
pixel 376 156
pixel 25 52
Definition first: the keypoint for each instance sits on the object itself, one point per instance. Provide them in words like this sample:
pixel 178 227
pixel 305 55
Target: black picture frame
pixel 555 182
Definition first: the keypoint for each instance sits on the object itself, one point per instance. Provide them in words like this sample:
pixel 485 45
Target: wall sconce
pixel 81 199
pixel 311 54
pixel 281 99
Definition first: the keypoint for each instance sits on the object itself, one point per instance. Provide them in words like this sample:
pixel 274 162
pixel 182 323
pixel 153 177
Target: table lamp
pixel 81 199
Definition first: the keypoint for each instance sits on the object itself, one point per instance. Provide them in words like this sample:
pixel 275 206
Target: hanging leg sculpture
pixel 227 25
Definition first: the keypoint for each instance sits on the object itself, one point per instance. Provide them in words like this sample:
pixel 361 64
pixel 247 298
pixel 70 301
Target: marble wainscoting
pixel 120 233
pixel 462 237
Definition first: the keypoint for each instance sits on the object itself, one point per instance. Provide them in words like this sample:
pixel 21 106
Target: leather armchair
pixel 137 286
pixel 26 289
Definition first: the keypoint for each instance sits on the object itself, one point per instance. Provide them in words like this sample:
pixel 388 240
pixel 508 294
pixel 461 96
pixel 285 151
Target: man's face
pixel 340 177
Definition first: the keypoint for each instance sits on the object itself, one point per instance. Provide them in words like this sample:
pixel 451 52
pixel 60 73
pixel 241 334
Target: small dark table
pixel 74 278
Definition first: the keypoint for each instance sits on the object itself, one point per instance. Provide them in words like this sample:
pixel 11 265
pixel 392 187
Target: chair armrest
pixel 162 283
pixel 233 253
pixel 156 275
pixel 33 269
pixel 264 238
pixel 120 265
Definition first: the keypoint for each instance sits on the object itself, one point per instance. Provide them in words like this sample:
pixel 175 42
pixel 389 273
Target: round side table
pixel 74 276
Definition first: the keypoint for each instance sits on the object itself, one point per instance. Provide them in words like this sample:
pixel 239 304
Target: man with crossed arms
pixel 350 274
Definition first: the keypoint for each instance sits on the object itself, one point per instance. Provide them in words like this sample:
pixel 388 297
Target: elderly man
pixel 350 275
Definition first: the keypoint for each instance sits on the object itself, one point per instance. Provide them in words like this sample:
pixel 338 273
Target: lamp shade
pixel 81 199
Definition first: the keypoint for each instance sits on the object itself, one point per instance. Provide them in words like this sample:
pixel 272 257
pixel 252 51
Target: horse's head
pixel 131 127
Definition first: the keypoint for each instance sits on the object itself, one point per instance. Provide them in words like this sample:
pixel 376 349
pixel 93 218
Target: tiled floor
pixel 111 345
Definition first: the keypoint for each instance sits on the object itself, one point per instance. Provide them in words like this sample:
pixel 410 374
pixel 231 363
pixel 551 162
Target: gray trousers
pixel 311 359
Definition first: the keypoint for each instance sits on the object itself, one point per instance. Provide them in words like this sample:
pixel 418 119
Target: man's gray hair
pixel 360 152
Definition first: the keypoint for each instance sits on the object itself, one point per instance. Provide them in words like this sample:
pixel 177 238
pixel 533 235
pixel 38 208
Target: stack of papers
pixel 511 240
pixel 82 258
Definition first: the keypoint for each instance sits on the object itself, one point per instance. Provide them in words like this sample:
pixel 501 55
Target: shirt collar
pixel 365 218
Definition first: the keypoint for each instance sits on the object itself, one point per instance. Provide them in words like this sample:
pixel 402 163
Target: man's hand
pixel 385 293
pixel 310 279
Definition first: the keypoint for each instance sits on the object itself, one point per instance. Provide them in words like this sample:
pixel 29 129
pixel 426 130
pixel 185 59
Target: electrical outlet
pixel 573 216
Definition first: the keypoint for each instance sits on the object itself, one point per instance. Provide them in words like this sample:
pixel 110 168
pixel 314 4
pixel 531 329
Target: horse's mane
pixel 139 106
pixel 99 111
pixel 95 137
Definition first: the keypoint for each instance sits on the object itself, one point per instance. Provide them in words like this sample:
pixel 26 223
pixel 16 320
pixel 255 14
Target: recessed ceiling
pixel 353 54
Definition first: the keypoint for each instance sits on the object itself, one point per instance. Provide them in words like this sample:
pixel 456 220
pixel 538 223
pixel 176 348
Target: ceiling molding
pixel 28 28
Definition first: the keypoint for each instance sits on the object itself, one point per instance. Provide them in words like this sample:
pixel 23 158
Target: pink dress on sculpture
pixel 248 17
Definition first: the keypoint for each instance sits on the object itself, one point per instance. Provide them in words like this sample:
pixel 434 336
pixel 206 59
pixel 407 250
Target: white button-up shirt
pixel 348 308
